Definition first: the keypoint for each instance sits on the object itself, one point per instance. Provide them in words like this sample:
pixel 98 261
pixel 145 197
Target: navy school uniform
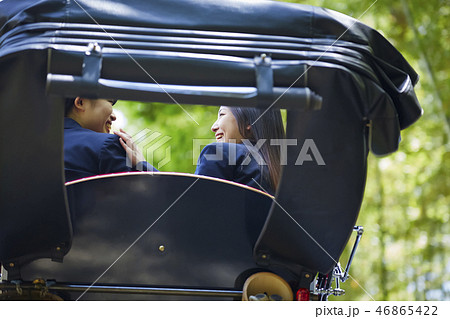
pixel 89 153
pixel 233 162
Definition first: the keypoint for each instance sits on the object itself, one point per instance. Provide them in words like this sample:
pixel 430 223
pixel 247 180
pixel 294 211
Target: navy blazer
pixel 233 162
pixel 88 153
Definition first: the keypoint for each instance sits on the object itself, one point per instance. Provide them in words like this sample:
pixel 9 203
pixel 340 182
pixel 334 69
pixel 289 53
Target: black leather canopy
pixel 231 29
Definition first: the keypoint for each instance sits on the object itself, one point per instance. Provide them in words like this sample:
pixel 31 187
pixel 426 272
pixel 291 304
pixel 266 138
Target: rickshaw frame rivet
pixel 11 265
pixel 162 248
pixel 307 276
pixel 58 248
pixel 263 256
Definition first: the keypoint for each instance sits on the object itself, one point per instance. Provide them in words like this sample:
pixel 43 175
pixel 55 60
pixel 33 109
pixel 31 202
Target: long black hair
pixel 263 125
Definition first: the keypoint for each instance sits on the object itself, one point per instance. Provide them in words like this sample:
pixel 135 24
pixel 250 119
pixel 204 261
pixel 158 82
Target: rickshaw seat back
pixel 158 229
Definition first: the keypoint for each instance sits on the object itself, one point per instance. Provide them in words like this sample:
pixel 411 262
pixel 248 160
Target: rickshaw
pixel 165 236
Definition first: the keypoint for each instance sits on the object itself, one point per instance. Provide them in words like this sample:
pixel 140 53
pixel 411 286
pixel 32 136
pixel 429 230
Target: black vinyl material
pixel 33 204
pixel 351 92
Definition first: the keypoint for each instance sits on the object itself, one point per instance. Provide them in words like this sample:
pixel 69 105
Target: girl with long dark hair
pixel 247 150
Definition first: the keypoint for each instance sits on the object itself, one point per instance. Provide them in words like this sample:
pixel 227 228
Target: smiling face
pixel 226 128
pixel 97 115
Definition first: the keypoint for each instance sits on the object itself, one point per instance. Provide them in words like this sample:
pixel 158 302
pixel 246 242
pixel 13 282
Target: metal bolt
pixel 307 276
pixel 39 281
pixel 58 248
pixel 162 248
pixel 93 48
pixel 11 265
pixel 96 47
pixel 263 256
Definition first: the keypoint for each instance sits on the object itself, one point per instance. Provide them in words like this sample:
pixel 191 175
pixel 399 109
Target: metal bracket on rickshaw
pixel 85 85
pixel 264 80
pixel 18 283
pixel 92 66
pixel 337 274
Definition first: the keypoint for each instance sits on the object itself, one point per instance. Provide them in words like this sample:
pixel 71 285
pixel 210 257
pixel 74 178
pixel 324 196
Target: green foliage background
pixel 404 251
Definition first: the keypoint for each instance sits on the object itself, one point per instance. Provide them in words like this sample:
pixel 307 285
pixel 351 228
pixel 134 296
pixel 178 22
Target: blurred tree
pixel 404 252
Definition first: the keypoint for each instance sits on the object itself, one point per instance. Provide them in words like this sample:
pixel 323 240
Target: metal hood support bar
pixel 264 95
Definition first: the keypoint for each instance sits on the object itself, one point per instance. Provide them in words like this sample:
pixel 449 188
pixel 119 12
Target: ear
pixel 248 127
pixel 79 104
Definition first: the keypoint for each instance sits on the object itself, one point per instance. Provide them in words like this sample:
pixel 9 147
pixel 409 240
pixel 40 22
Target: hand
pixel 133 152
